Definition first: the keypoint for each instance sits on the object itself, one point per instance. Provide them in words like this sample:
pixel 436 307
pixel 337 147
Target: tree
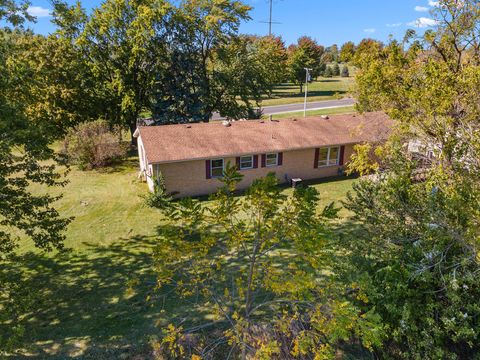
pixel 345 71
pixel 59 90
pixel 328 72
pixel 331 54
pixel 254 264
pixel 24 148
pixel 244 77
pixel 424 235
pixel 336 70
pixel 124 42
pixel 272 54
pixel 210 67
pixel 14 13
pixel 305 54
pixel 347 52
pixel 25 159
pixel 364 47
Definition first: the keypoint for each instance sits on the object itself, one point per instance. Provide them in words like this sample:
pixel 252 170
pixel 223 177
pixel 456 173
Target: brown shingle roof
pixel 172 143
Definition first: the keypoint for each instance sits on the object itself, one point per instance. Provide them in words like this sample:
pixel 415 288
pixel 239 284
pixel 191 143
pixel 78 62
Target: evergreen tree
pixel 328 72
pixel 336 69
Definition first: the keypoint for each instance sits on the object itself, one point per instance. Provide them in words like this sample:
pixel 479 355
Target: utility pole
pixel 270 21
pixel 307 78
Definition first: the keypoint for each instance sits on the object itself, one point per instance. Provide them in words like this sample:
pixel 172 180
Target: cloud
pixel 421 8
pixel 433 3
pixel 394 25
pixel 369 30
pixel 423 22
pixel 38 11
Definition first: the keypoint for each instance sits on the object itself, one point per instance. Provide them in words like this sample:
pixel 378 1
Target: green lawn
pixel 92 300
pixel 332 111
pixel 322 89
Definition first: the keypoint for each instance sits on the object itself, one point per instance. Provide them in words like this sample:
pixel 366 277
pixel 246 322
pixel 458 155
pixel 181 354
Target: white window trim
pixel 211 168
pixel 328 157
pixel 276 160
pixel 246 168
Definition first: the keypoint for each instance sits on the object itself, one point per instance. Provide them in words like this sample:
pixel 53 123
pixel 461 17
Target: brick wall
pixel 189 178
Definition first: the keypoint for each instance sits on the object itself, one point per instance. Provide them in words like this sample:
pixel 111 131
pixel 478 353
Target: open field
pixel 92 299
pixel 322 89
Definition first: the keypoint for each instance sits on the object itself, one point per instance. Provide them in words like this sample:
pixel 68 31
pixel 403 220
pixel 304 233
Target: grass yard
pixel 322 89
pixel 92 299
pixel 332 111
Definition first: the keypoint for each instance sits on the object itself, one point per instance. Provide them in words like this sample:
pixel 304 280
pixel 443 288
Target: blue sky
pixel 327 21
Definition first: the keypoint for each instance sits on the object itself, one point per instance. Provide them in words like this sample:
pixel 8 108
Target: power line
pixel 270 22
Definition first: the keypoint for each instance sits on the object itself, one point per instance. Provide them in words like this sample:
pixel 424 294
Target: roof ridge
pixel 181 142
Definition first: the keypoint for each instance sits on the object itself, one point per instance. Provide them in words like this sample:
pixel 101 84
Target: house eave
pixel 248 153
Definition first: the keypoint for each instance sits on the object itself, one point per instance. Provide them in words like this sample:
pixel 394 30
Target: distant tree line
pixel 179 63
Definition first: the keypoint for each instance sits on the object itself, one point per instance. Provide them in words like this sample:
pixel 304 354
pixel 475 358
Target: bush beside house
pixel 93 145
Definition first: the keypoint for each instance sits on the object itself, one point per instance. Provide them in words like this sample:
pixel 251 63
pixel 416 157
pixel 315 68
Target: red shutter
pixel 342 155
pixel 255 161
pixel 208 169
pixel 238 163
pixel 264 160
pixel 280 159
pixel 317 155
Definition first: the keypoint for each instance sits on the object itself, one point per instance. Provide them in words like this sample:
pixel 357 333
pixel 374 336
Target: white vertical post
pixel 306 92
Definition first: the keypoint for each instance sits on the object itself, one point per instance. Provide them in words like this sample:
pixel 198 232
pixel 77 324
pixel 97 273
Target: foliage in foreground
pixel 24 148
pixel 159 198
pixel 417 256
pixel 257 265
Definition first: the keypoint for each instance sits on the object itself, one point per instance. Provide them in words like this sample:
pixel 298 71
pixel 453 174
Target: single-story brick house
pixel 191 157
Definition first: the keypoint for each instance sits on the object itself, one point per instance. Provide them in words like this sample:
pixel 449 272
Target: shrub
pixel 159 198
pixel 345 71
pixel 336 70
pixel 328 72
pixel 253 114
pixel 94 144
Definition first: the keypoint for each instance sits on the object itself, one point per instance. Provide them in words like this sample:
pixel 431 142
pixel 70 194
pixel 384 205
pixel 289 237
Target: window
pixel 217 168
pixel 328 156
pixel 246 162
pixel 271 160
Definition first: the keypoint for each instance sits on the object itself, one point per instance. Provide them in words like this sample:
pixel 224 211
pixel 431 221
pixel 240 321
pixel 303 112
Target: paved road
pixel 290 108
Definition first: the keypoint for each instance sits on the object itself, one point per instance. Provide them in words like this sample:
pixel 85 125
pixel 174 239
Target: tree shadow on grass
pixel 121 166
pixel 90 303
pixel 93 303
